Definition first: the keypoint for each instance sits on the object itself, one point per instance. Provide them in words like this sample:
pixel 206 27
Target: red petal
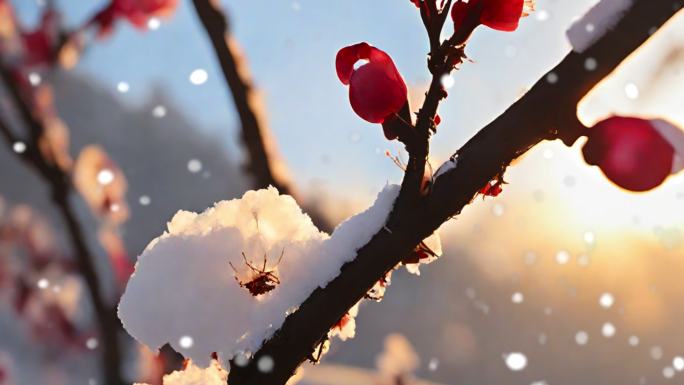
pixel 377 92
pixel 460 10
pixel 104 21
pixel 347 57
pixel 502 15
pixel 630 152
pixel 137 12
pixel 376 89
pixel 437 120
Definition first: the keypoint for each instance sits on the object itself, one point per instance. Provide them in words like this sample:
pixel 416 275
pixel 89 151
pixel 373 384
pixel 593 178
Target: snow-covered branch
pixel 480 160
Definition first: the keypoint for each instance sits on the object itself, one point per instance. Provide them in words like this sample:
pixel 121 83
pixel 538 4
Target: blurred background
pixel 580 277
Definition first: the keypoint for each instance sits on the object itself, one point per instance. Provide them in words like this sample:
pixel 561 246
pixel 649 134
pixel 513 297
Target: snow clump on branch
pixel 194 289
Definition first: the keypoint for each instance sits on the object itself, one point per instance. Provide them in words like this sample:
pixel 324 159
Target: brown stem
pixel 60 185
pixel 264 165
pixel 486 155
pixel 105 314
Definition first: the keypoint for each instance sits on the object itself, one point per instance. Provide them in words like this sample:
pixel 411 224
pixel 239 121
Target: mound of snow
pixel 184 291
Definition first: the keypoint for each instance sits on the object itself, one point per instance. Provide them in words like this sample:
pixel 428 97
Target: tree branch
pixel 60 187
pixel 480 160
pixel 264 165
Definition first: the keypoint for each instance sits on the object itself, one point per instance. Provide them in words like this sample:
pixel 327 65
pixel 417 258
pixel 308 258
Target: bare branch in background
pixel 480 160
pixel 59 182
pixel 264 163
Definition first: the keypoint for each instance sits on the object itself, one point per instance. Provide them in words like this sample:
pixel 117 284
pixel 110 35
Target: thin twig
pixel 486 155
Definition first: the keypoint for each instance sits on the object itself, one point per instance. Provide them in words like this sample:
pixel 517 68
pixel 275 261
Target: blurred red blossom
pixel 39 45
pixel 36 280
pixel 118 256
pixel 501 15
pixel 6 369
pixel 137 12
pixel 101 183
pixel 377 91
pixel 636 154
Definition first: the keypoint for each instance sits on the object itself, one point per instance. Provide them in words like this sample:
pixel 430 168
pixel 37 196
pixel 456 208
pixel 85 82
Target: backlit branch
pixel 546 112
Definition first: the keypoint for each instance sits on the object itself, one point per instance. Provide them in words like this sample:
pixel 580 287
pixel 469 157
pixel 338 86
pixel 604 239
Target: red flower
pixel 501 15
pixel 137 12
pixel 635 154
pixel 39 45
pixel 377 91
pixel 492 188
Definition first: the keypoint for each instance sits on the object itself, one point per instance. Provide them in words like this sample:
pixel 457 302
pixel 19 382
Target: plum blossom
pixel 377 91
pixel 501 15
pixel 136 12
pixel 101 183
pixel 635 154
pixel 397 362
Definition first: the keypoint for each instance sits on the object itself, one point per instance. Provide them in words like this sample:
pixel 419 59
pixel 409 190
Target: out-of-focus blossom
pixel 377 91
pixel 101 183
pixel 397 362
pixel 501 15
pixel 54 142
pixel 40 45
pixel 635 154
pixel 8 24
pixel 137 12
pixel 149 365
pixel 191 374
pixel 118 257
pixel 6 368
pixel 36 279
pixel 30 49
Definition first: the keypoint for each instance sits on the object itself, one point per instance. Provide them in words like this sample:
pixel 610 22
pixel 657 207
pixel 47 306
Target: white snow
pixel 608 330
pixel 194 375
pixel 446 166
pixel 606 300
pixel 516 361
pixel 600 19
pixel 184 286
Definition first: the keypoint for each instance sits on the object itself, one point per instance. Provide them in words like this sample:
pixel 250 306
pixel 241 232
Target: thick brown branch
pixel 548 111
pixel 60 186
pixel 264 164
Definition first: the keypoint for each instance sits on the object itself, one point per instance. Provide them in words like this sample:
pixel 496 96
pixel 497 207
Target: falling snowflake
pixel 515 361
